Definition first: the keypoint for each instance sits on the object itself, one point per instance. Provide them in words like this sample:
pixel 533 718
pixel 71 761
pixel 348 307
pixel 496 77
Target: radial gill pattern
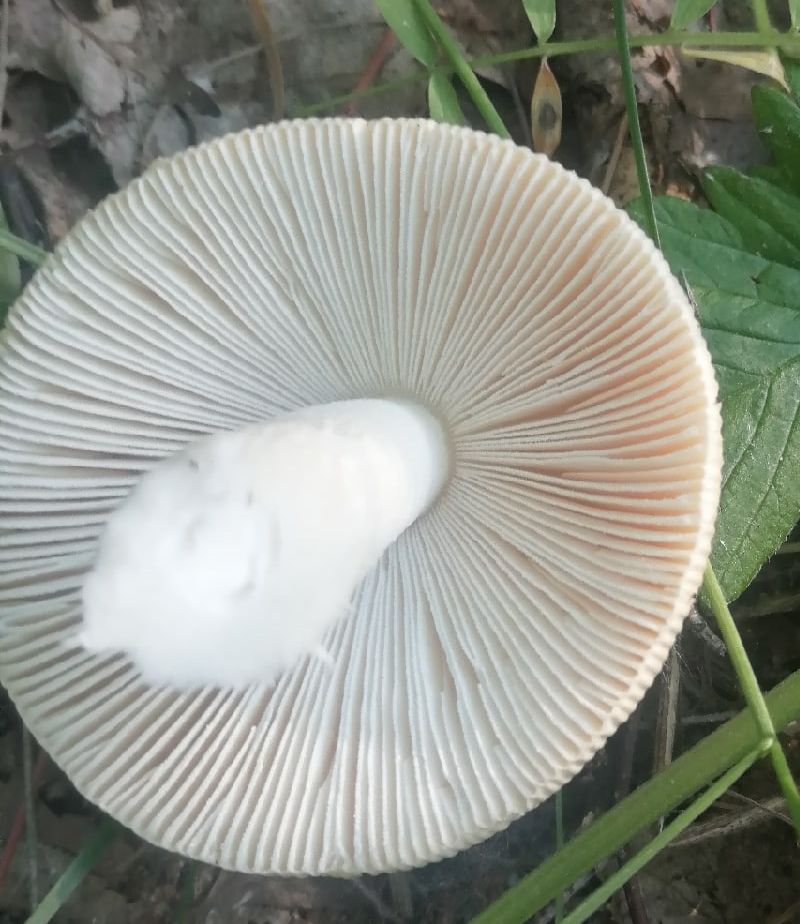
pixel 511 629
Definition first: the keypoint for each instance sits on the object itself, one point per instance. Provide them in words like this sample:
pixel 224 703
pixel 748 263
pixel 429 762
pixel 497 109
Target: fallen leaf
pixel 546 111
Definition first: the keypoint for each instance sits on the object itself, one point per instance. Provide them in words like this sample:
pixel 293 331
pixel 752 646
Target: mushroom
pixel 450 369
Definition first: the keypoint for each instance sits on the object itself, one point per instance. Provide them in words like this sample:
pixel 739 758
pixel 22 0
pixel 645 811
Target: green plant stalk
pixel 752 692
pixel 629 88
pixel 459 64
pixel 789 42
pixel 715 754
pixel 186 893
pixel 74 874
pixel 761 16
pixel 21 248
pixel 559 845
pixel 601 895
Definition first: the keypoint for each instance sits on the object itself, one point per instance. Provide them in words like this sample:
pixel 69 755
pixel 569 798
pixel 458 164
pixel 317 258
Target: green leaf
pixel 443 100
pixel 771 174
pixel 792 71
pixel 406 23
pixel 749 309
pixel 688 11
pixel 542 14
pixel 767 218
pixel 10 279
pixel 794 13
pixel 764 61
pixel 777 118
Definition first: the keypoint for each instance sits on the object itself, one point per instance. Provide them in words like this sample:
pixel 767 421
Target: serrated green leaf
pixel 749 310
pixel 10 278
pixel 771 174
pixel 688 11
pixel 542 14
pixel 777 118
pixel 766 217
pixel 443 102
pixel 761 476
pixel 792 71
pixel 406 23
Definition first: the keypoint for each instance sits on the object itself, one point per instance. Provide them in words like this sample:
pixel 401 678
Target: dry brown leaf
pixel 258 13
pixel 546 111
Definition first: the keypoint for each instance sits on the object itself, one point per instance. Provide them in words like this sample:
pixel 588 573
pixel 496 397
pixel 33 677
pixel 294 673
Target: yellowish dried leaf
pixel 546 111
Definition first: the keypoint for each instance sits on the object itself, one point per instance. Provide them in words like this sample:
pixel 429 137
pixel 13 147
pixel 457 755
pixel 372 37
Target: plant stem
pixel 712 756
pixel 660 841
pixel 752 692
pixel 789 42
pixel 74 874
pixel 21 248
pixel 761 16
pixel 559 845
pixel 624 50
pixel 459 64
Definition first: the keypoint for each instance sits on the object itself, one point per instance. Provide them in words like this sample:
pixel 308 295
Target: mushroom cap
pixel 510 629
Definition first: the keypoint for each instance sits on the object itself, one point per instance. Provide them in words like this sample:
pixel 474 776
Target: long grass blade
pixel 75 873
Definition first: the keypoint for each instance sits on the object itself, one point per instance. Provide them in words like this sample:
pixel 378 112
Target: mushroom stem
pixel 229 561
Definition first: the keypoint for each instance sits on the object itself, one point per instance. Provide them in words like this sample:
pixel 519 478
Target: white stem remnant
pixel 231 559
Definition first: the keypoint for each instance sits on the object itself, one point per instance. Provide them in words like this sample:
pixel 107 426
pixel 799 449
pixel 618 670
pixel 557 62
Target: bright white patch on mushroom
pixel 230 560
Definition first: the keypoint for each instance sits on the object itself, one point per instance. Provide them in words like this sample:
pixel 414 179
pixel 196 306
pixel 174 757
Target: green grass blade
pixel 186 893
pixel 601 895
pixel 443 104
pixel 624 50
pixel 688 11
pixel 752 692
pixel 21 248
pixel 10 279
pixel 715 754
pixel 459 64
pixel 75 873
pixel 403 19
pixel 542 14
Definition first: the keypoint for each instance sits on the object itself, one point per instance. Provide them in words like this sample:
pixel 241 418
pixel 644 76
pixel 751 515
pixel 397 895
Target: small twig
pixel 711 718
pixel 790 916
pixel 634 898
pixel 4 58
pixel 18 825
pixel 637 909
pixel 616 153
pixel 378 58
pixel 377 902
pixel 770 605
pixel 258 14
pixel 733 821
pixel 667 712
pixel 31 837
pixel 705 633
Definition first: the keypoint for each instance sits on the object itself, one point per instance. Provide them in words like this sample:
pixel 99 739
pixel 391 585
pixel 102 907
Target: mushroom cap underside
pixel 509 631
